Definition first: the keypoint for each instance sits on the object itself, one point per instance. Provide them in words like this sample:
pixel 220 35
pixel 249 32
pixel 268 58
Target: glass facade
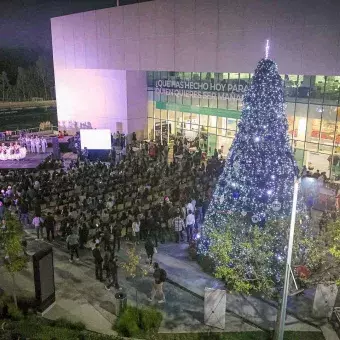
pixel 205 108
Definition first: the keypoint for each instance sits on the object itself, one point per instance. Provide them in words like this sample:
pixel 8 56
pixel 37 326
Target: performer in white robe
pixel 28 143
pixel 43 144
pixel 37 144
pixel 32 145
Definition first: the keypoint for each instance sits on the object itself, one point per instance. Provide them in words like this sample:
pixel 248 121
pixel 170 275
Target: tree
pixel 14 255
pixel 246 228
pixel 21 84
pixel 3 83
pixel 43 74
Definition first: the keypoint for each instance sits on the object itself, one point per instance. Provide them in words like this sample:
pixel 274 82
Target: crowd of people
pixel 145 197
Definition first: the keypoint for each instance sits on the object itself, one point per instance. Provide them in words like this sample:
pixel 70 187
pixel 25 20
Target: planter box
pixel 324 300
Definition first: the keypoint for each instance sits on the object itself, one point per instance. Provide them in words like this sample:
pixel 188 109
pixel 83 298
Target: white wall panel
pixel 132 59
pixel 185 52
pixel 305 39
pixel 231 52
pixel 165 12
pixel 79 40
pixel 259 14
pixel 231 15
pixel 131 22
pixel 184 16
pixel 165 52
pixel 283 42
pixel 147 22
pixel 148 57
pixel 58 45
pixel 206 16
pixel 206 51
pixel 103 38
pixel 320 43
pixel 90 29
pixel 69 44
pixel 116 18
pixel 117 54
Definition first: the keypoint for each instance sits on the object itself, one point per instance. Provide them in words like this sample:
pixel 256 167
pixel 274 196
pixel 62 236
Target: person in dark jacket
pixel 50 226
pixel 83 235
pixel 98 261
pixel 113 269
pixel 149 248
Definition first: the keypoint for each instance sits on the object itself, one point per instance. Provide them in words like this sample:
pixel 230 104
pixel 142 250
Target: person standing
pixel 136 230
pixel 73 243
pixel 83 235
pixel 113 269
pixel 157 288
pixel 37 144
pixel 98 262
pixel 178 226
pixel 50 225
pixel 190 223
pixel 32 145
pixel 117 234
pixel 37 222
pixel 43 144
pixel 150 249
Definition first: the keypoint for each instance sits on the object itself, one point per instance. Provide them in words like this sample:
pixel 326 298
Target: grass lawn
pixel 241 336
pixel 36 328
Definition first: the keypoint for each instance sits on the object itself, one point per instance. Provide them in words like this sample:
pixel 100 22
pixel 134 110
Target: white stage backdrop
pixel 95 139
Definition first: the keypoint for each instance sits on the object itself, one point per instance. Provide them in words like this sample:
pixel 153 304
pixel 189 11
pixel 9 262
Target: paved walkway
pixel 81 298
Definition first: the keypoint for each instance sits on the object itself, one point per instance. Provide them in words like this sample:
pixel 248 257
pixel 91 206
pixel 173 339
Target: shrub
pixel 150 319
pixel 64 323
pixel 135 322
pixel 127 324
pixel 14 312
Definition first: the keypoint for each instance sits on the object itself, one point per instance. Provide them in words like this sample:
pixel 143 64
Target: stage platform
pixel 31 161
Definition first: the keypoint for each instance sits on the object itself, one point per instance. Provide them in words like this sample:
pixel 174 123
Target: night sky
pixel 26 24
pixel 25 30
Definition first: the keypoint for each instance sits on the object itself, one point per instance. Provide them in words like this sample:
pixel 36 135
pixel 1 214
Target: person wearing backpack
pixel 157 288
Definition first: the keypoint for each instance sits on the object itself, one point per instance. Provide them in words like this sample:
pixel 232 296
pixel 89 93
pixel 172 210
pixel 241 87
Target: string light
pixel 267 49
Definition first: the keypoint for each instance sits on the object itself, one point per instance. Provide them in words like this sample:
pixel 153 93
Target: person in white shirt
pixel 136 229
pixel 189 207
pixel 37 222
pixel 37 144
pixel 32 145
pixel 190 223
pixel 43 144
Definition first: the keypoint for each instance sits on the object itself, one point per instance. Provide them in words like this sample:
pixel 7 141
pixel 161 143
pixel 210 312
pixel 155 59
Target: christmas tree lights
pixel 246 226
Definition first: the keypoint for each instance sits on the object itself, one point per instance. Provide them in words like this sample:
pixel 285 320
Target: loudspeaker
pixel 44 278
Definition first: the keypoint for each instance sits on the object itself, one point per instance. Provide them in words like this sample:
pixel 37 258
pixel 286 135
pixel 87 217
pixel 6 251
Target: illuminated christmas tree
pixel 246 227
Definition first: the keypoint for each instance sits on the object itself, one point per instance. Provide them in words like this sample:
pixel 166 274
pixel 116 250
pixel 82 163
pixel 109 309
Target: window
pixel 332 90
pixel 318 89
pixel 328 125
pixel 290 87
pixel 304 89
pixel 314 122
pixel 222 126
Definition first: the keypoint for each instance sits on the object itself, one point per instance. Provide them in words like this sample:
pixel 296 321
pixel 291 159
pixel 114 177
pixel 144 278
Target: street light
pixel 288 264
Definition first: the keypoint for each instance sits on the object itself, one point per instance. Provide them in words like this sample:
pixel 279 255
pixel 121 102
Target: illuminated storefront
pixel 205 108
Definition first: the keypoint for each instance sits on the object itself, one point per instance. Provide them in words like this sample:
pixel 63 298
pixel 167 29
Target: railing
pixel 7 135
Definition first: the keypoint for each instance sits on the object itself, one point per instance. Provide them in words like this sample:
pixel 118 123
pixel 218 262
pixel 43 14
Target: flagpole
pixel 283 310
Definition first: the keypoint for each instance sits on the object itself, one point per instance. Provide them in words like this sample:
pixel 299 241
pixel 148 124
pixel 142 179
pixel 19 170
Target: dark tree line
pixel 34 81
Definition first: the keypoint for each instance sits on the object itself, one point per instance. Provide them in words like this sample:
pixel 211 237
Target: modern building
pixel 166 68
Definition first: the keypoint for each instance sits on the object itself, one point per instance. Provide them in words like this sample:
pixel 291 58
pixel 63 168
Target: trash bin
pixel 120 302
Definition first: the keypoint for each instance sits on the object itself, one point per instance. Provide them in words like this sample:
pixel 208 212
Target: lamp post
pixel 280 331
